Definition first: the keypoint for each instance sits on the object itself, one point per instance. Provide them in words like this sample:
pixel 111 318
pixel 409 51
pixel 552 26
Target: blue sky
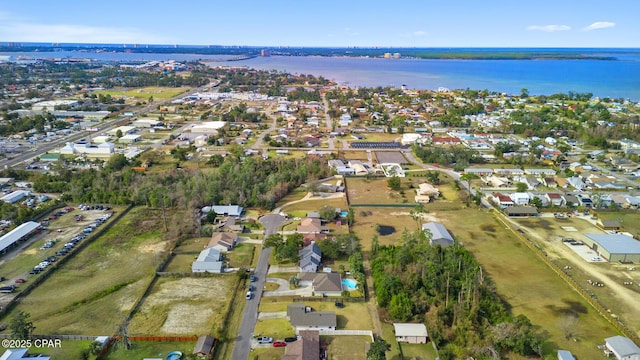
pixel 341 23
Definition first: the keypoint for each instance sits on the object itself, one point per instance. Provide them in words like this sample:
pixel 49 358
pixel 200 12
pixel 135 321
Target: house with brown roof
pixel 323 284
pixel 555 199
pixel 223 241
pixel 307 347
pixel 502 200
pixel 310 226
pixel 303 317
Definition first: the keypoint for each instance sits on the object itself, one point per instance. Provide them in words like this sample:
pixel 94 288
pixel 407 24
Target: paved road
pixel 269 112
pixel 271 222
pixel 328 121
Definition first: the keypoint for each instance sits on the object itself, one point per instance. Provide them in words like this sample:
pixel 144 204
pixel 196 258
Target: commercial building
pixel 615 247
pixel 15 196
pixel 21 232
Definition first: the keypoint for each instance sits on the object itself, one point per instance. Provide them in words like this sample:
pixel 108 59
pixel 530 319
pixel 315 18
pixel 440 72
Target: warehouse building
pixel 615 247
pixel 20 233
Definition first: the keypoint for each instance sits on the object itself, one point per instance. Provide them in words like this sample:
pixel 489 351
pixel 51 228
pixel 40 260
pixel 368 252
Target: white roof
pixel 15 196
pixel 407 329
pixel 616 243
pixel 622 346
pixel 17 233
pixel 208 260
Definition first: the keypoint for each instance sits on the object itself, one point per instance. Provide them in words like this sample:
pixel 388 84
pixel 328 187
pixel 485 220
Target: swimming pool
pixel 349 283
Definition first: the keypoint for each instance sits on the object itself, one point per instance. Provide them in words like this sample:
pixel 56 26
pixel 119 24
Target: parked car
pixel 251 288
pixel 291 339
pixel 253 278
pixel 249 295
pixel 20 281
pixel 279 344
pixel 264 340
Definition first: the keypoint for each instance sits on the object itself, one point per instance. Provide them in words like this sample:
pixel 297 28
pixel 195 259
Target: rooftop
pixel 616 243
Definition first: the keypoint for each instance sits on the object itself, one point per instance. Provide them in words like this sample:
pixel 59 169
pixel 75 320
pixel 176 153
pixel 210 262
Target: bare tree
pixel 570 326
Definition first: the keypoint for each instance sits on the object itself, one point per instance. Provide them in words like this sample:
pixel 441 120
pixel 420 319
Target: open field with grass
pixel 346 347
pixel 144 93
pixel 241 255
pixel 314 205
pixel 366 219
pixel 418 351
pixel 183 306
pixel 620 299
pixel 94 284
pixel 193 244
pixel 528 285
pixel 180 263
pixel 266 353
pixel 69 349
pixel 628 220
pixel 144 349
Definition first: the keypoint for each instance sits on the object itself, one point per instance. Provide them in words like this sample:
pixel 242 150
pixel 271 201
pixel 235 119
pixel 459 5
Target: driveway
pixel 283 289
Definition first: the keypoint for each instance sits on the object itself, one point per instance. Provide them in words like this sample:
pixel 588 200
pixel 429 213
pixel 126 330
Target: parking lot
pixel 585 252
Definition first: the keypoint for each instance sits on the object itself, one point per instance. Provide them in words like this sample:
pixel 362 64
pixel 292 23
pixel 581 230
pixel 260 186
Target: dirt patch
pixel 423 216
pixel 156 248
pixel 182 318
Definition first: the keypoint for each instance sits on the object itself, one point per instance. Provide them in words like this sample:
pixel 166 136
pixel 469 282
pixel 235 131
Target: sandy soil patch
pixel 423 216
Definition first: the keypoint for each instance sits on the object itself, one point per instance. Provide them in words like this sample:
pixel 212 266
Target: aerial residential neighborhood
pixel 222 212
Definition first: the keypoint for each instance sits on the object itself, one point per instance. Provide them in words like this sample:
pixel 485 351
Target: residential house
pixel 303 318
pixel 571 200
pixel 495 181
pixel 438 234
pixel 310 226
pixel 521 211
pixel 223 241
pixel 224 210
pixel 410 333
pixel 609 225
pixel 310 258
pixel 549 182
pixel 204 346
pixel 479 171
pixel 307 347
pixel 540 172
pixel 17 354
pixel 426 192
pixel 555 199
pixel 323 284
pixel 502 200
pixel 209 260
pixel 509 172
pixel 520 198
pixel 576 183
pixel 623 348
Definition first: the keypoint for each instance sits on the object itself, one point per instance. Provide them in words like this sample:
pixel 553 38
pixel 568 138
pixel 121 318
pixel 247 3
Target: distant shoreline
pixel 603 54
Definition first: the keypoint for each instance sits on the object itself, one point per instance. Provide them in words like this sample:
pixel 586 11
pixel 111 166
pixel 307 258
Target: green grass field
pixel 144 93
pixel 314 205
pixel 628 220
pixel 346 347
pixel 241 255
pixel 366 219
pixel 180 263
pixel 144 349
pixel 526 283
pixel 278 329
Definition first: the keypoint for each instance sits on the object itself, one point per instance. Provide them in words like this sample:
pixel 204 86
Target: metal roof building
pixel 615 247
pixel 623 348
pixel 439 234
pixel 17 234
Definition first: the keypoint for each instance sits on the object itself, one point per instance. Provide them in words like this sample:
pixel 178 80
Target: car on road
pixel 253 278
pixel 264 340
pixel 251 288
pixel 20 281
pixel 279 344
pixel 249 295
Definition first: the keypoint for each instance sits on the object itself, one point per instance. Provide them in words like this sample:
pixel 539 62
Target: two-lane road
pixel 242 347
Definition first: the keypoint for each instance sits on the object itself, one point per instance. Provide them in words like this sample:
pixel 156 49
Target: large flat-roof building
pixel 17 234
pixel 615 247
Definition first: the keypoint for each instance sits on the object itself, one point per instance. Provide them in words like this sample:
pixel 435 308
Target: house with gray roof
pixel 310 258
pixel 439 234
pixel 304 318
pixel 623 348
pixel 209 260
pixel 565 355
pixel 224 210
pixel 323 284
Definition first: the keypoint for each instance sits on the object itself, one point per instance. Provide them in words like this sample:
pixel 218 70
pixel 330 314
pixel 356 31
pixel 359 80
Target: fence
pixel 596 305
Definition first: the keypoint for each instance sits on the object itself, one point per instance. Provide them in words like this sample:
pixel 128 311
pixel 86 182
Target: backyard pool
pixel 349 284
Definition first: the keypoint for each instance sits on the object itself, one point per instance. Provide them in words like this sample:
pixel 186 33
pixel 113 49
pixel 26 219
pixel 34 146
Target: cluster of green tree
pixel 339 247
pixel 15 124
pixel 446 288
pixel 239 113
pixel 541 123
pixel 285 250
pixel 110 77
pixel 453 120
pixel 301 93
pixel 461 157
pixel 272 83
pixel 572 96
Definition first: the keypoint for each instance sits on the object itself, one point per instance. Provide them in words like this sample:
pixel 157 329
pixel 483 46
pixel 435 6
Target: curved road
pixel 271 223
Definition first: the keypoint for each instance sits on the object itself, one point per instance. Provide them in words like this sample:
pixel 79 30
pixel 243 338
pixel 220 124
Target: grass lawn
pixel 193 244
pixel 418 351
pixel 389 336
pixel 145 349
pixel 92 285
pixel 346 347
pixel 144 93
pixel 295 195
pixel 354 316
pixel 241 255
pixel 278 329
pixel 376 191
pixel 69 349
pixel 526 283
pixel 169 308
pixel 628 220
pixel 364 225
pixel 314 205
pixel 181 263
pixel 268 353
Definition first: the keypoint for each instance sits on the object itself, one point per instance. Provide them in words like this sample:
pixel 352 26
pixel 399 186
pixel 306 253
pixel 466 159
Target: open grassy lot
pixel 98 282
pixel 144 93
pixel 266 353
pixel 376 191
pixel 193 244
pixel 527 284
pixel 354 316
pixel 346 347
pixel 366 219
pixel 180 263
pixel 295 195
pixel 418 351
pixel 183 306
pixel 314 205
pixel 144 349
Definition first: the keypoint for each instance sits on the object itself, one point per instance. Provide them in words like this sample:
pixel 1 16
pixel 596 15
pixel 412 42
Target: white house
pixel 410 333
pixel 520 199
pixel 209 260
